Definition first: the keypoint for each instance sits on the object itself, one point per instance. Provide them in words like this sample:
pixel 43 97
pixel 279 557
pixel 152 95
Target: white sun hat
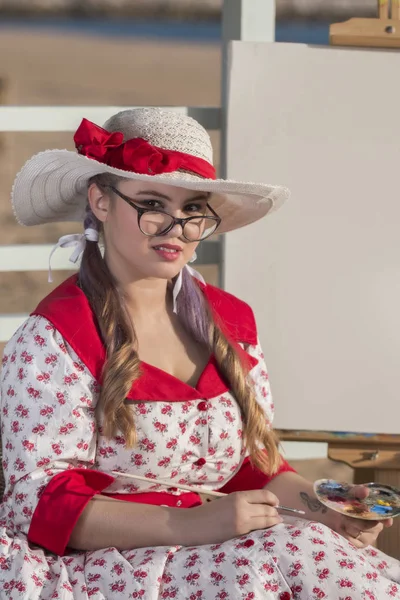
pixel 144 144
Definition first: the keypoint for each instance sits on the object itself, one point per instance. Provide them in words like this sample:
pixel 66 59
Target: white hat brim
pixel 52 187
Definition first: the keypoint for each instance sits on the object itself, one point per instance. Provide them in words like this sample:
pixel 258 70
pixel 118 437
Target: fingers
pixel 358 543
pixel 359 491
pixel 260 497
pixel 353 530
pixel 265 522
pixel 356 530
pixel 369 526
pixel 264 511
pixel 387 523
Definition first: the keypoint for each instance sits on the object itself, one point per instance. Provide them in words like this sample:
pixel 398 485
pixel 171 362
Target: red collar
pixel 68 309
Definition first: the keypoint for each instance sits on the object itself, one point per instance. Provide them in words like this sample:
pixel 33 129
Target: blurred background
pixel 117 52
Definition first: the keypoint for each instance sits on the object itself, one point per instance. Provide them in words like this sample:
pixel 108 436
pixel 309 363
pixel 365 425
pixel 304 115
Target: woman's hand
pixel 359 532
pixel 229 517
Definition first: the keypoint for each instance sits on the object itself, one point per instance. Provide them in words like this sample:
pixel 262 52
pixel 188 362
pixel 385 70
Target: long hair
pixel 122 365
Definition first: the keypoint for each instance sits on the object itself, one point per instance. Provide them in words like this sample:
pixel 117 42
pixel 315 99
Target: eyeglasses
pixel 157 222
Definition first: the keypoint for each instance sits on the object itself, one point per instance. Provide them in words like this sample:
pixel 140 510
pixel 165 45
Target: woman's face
pixel 128 252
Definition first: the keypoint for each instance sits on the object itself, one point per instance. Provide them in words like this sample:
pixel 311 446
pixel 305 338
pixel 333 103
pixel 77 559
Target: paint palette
pixel 382 502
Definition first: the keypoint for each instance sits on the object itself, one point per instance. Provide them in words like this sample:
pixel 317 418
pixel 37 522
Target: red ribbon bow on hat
pixel 135 155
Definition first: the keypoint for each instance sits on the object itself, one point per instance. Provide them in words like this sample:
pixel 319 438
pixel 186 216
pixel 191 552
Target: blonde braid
pixel 256 430
pixel 122 366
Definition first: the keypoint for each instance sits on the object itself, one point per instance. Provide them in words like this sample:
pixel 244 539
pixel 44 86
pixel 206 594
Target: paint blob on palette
pixel 382 502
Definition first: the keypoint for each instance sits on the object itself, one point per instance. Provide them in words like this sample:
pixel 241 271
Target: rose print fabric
pixel 56 459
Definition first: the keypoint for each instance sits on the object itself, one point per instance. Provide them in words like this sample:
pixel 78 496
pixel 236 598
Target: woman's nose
pixel 176 231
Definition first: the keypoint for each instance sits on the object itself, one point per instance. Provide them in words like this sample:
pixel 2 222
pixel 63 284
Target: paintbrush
pixel 205 495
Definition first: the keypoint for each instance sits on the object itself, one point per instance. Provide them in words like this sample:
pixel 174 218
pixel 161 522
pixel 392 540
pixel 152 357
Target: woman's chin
pixel 165 270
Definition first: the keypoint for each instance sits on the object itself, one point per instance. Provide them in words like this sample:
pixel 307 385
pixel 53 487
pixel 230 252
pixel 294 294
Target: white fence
pixel 67 118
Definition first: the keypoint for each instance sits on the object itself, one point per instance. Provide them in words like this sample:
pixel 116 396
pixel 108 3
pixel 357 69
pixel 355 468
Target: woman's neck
pixel 145 297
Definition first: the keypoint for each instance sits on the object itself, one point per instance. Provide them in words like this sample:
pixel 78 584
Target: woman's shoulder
pixel 62 321
pixel 35 329
pixel 36 337
pixel 35 332
pixel 69 312
pixel 66 302
pixel 234 315
pixel 39 364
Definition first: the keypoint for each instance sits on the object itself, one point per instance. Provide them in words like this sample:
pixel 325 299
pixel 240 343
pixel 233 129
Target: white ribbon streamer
pixel 76 241
pixel 178 284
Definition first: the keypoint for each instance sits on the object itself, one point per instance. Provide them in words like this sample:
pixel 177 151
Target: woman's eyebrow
pixel 199 197
pixel 153 193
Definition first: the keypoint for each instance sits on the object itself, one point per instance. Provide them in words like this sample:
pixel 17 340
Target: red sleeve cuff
pixel 250 477
pixel 61 504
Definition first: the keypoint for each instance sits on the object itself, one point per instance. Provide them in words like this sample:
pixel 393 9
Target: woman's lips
pixel 168 251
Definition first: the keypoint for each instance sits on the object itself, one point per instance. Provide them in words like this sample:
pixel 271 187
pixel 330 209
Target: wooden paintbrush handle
pixel 205 495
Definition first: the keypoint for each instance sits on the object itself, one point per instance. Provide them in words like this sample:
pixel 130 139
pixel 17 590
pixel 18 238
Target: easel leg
pixel 389 539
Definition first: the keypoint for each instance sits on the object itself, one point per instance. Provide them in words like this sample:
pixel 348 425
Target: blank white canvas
pixel 323 273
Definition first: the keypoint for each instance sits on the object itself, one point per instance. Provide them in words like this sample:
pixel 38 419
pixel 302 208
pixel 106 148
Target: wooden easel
pixel 382 32
pixel 374 457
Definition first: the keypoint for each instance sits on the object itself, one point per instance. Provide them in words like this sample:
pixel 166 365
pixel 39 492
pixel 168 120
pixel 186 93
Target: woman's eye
pixel 151 204
pixel 198 209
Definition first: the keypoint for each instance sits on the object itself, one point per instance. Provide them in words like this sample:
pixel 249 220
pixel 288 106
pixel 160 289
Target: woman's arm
pixel 295 491
pixel 49 433
pixel 106 522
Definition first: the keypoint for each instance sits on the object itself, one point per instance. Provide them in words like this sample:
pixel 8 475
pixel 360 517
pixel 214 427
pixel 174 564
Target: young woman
pixel 136 366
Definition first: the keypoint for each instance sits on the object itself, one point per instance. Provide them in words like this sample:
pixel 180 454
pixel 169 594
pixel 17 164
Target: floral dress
pixel 56 459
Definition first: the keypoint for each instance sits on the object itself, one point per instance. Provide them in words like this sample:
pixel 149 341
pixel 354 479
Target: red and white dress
pixel 56 459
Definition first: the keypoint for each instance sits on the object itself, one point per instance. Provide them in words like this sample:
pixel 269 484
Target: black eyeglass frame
pixel 175 220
